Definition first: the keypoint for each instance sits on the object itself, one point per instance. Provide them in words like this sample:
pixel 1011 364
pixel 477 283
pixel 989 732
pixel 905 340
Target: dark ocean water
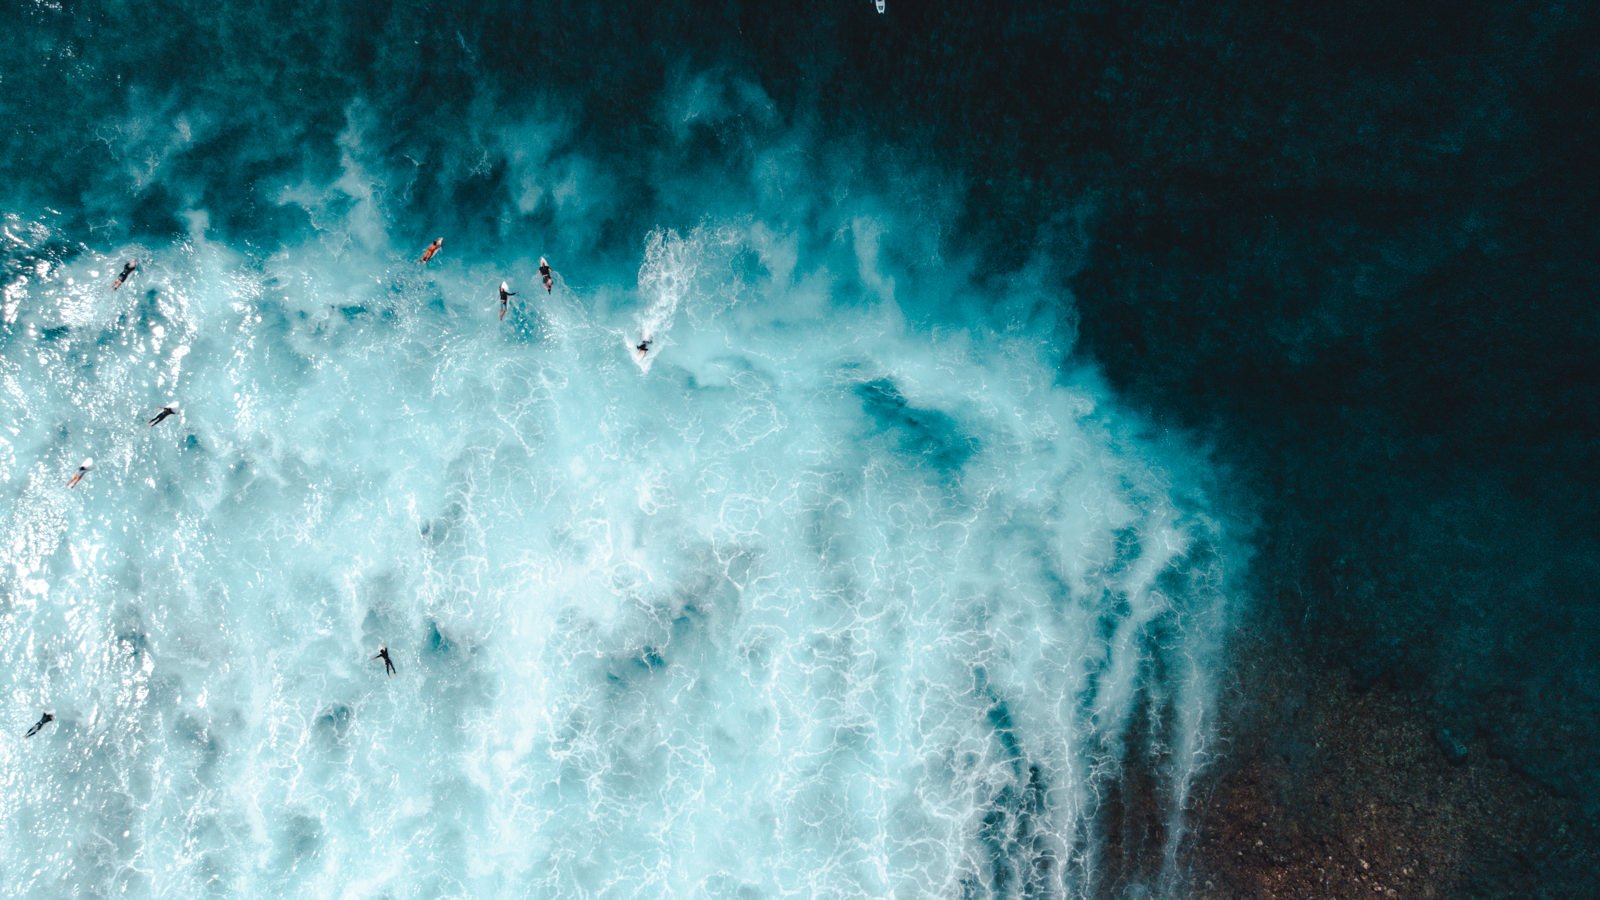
pixel 1348 249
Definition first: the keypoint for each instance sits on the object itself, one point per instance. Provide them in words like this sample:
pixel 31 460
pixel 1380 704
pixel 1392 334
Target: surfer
pixel 171 409
pixel 544 272
pixel 432 249
pixel 126 271
pixel 505 299
pixel 44 720
pixel 643 347
pixel 82 471
pixel 388 664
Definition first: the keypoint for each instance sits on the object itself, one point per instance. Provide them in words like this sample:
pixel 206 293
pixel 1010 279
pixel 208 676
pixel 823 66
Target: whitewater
pixel 860 584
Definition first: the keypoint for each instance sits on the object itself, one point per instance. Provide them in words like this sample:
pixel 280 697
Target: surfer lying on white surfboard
pixel 505 299
pixel 171 409
pixel 126 271
pixel 388 664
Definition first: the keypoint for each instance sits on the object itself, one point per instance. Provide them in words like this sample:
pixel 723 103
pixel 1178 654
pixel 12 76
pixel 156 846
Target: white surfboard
pixel 880 5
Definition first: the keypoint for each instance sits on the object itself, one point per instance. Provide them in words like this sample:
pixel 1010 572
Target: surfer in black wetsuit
pixel 505 299
pixel 171 409
pixel 82 471
pixel 388 664
pixel 544 272
pixel 44 720
pixel 126 271
pixel 643 347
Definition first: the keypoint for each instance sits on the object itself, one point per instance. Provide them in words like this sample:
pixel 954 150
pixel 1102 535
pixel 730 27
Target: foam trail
pixel 664 278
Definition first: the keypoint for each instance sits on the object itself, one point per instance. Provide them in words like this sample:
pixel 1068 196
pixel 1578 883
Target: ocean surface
pixel 861 582
pixel 1014 375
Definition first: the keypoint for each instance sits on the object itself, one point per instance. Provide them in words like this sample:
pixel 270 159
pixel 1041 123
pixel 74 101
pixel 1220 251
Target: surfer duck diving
pixel 44 720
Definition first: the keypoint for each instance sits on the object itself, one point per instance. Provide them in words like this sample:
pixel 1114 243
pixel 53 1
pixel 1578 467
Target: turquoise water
pixel 860 583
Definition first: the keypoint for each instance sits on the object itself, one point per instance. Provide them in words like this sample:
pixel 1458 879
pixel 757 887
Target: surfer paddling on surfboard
pixel 171 409
pixel 432 249
pixel 388 664
pixel 544 272
pixel 126 271
pixel 82 471
pixel 505 299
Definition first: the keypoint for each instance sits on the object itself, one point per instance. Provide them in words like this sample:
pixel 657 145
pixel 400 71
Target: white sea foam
pixel 823 604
